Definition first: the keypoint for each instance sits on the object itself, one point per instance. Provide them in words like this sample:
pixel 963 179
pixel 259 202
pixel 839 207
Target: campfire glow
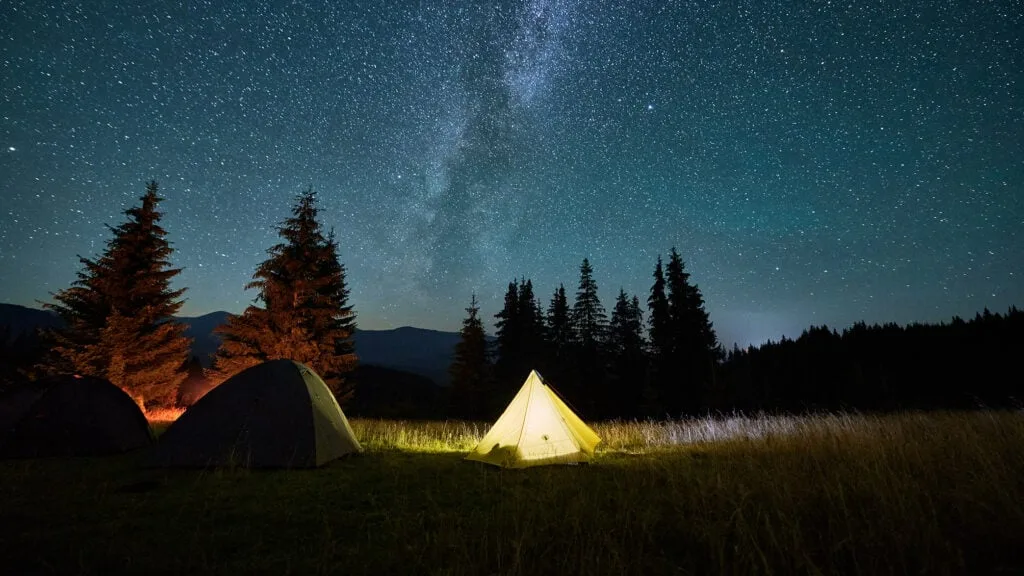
pixel 164 414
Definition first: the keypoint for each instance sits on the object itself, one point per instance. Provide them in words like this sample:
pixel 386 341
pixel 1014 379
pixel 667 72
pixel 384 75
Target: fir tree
pixel 532 332
pixel 660 346
pixel 118 314
pixel 470 369
pixel 637 316
pixel 658 320
pixel 305 315
pixel 588 316
pixel 559 328
pixel 508 340
pixel 627 361
pixel 691 338
pixel 636 358
pixel 338 319
pixel 520 342
pixel 589 326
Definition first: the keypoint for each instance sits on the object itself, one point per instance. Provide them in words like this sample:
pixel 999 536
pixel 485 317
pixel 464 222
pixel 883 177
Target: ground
pixel 931 493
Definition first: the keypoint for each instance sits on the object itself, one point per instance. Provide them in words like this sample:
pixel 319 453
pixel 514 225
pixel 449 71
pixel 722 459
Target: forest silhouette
pixel 658 360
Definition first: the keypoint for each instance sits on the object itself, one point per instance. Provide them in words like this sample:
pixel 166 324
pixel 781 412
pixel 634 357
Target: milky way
pixel 813 162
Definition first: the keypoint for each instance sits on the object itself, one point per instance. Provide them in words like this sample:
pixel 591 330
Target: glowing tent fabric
pixel 536 428
pixel 278 414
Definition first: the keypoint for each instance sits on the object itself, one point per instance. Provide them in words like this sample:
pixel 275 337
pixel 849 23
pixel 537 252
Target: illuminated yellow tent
pixel 536 428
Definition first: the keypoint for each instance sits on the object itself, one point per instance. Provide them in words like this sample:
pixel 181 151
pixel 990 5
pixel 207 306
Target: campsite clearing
pixel 935 493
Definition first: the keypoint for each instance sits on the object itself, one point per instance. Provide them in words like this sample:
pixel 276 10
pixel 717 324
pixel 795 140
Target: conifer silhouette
pixel 305 314
pixel 470 370
pixel 118 314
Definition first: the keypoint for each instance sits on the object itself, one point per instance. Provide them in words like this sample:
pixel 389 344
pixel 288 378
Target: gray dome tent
pixel 278 414
pixel 70 416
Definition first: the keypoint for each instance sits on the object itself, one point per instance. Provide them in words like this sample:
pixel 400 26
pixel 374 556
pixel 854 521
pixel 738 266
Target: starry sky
pixel 814 162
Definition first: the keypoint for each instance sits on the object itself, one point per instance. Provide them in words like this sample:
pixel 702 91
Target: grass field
pixel 908 494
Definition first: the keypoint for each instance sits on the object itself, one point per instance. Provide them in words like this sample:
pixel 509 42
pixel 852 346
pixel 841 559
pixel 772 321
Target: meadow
pixel 936 493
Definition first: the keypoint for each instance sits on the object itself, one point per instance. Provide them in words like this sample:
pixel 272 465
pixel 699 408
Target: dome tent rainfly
pixel 278 414
pixel 71 416
pixel 536 428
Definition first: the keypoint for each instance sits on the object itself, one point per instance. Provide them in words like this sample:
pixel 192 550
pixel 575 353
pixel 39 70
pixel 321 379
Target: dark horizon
pixel 726 345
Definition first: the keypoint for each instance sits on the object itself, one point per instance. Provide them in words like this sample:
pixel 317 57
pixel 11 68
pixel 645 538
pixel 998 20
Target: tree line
pixel 118 315
pixel 670 364
pixel 961 364
pixel 622 366
pixel 652 358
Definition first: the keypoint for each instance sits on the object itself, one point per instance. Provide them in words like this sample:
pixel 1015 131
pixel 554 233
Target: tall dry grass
pixel 937 493
pixel 624 435
pixel 819 494
pixel 419 436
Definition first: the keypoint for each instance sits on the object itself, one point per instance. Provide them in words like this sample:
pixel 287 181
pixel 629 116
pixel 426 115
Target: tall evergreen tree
pixel 637 316
pixel 589 327
pixel 532 332
pixel 658 319
pixel 627 365
pixel 508 358
pixel 660 347
pixel 692 339
pixel 559 328
pixel 118 314
pixel 588 317
pixel 520 342
pixel 305 314
pixel 334 307
pixel 470 369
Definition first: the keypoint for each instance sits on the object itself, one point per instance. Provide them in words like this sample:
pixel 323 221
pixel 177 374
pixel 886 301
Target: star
pixel 455 147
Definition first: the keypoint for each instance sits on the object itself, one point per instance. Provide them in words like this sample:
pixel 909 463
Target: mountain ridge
pixel 421 351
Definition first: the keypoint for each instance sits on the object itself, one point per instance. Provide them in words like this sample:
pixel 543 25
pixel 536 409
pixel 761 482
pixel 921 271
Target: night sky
pixel 813 162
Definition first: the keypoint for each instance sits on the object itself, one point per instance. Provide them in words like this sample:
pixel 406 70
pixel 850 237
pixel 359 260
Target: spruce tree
pixel 118 314
pixel 627 361
pixel 338 318
pixel 637 316
pixel 305 314
pixel 588 317
pixel 470 369
pixel 658 320
pixel 694 345
pixel 508 342
pixel 661 350
pixel 589 327
pixel 559 328
pixel 532 332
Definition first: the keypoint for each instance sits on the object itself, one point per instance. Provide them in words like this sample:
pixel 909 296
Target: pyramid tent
pixel 278 414
pixel 70 416
pixel 536 428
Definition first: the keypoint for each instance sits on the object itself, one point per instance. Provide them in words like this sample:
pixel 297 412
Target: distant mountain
pixel 418 351
pixel 200 329
pixel 18 320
